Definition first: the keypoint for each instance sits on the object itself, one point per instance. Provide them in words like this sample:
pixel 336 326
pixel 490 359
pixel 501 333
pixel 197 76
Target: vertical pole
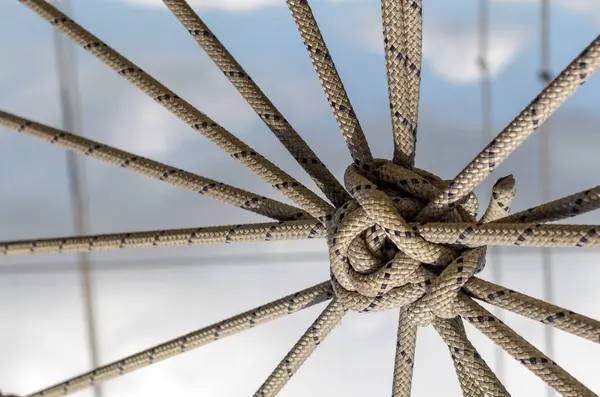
pixel 486 131
pixel 547 263
pixel 66 65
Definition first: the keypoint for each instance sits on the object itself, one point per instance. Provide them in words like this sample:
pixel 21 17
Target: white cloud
pixel 450 49
pixel 226 5
pixel 452 52
pixel 589 8
pixel 147 132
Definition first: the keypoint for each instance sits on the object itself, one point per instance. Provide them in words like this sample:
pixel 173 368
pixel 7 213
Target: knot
pixel 379 260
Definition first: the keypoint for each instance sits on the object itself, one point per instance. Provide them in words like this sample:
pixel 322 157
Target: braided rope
pixel 402 32
pixel 260 315
pixel 275 231
pixel 546 103
pixel 200 122
pixel 331 82
pixel 259 101
pixel 533 359
pixel 197 184
pixel 305 346
pixel 382 255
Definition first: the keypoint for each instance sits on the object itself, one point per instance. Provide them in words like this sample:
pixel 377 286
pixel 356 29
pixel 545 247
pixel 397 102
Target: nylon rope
pixel 258 101
pixel 401 241
pixel 200 122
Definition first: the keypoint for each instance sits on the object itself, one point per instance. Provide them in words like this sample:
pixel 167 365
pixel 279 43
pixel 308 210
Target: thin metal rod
pixel 487 134
pixel 66 65
pixel 547 262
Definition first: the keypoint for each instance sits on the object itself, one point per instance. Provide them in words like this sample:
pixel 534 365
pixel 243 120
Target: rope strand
pixel 546 103
pixel 257 99
pixel 274 231
pixel 260 315
pixel 177 177
pixel 200 122
pixel 332 83
pixel 316 333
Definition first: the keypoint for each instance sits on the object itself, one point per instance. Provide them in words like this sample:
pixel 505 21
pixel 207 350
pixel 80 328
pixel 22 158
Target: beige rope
pixel 402 32
pixel 405 357
pixel 197 184
pixel 293 189
pixel 275 231
pixel 469 359
pixel 332 83
pixel 535 309
pixel 259 101
pixel 521 350
pixel 465 380
pixel 314 335
pixel 551 97
pixel 381 253
pixel 566 207
pixel 465 234
pixel 260 315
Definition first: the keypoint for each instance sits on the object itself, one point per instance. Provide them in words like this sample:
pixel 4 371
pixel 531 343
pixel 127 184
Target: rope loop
pixel 379 261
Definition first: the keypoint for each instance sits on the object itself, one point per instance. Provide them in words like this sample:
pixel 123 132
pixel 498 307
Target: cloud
pixel 450 49
pixel 589 8
pixel 224 5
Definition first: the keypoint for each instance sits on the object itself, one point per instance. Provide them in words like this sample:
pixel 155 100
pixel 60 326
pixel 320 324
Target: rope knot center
pixel 379 260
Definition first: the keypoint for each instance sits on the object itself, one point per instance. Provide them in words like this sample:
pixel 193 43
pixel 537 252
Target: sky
pixel 146 296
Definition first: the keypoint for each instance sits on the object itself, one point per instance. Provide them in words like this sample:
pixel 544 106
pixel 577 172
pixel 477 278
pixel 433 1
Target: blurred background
pixel 143 297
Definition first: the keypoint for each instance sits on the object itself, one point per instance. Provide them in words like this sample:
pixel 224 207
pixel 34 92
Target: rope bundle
pixel 379 261
pixel 382 254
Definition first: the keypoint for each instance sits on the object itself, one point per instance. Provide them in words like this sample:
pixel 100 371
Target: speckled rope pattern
pixel 200 122
pixel 259 101
pixel 400 237
pixel 402 32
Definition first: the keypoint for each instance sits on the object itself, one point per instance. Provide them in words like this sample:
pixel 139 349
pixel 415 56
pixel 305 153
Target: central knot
pixel 380 261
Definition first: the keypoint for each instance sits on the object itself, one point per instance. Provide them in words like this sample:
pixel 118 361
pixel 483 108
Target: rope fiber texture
pixel 399 237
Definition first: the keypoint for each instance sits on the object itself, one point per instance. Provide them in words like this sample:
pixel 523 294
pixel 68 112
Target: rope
pixel 533 359
pixel 314 335
pixel 197 184
pixel 469 235
pixel 258 101
pixel 546 103
pixel 535 309
pixel 275 231
pixel 382 255
pixel 281 181
pixel 402 32
pixel 332 83
pixel 260 315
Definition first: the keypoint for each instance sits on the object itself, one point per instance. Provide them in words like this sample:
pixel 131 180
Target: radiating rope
pixel 306 345
pixel 379 257
pixel 521 350
pixel 197 184
pixel 260 315
pixel 332 83
pixel 468 235
pixel 200 122
pixel 259 101
pixel 551 97
pixel 402 33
